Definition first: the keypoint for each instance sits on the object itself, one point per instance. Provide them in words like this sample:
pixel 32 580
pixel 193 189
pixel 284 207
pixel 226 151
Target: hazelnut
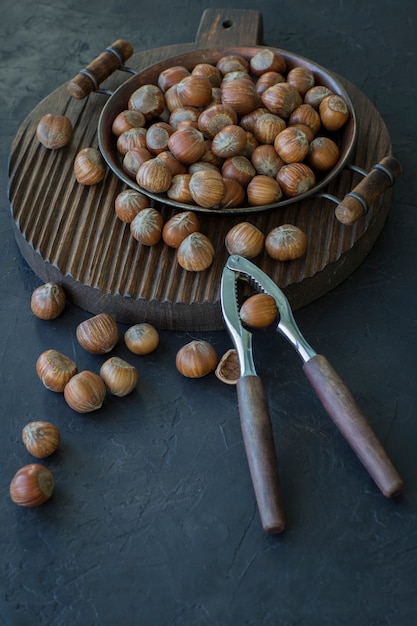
pixel 207 187
pixel 333 112
pixel 295 179
pixel 149 100
pixel 126 120
pixel 32 485
pixel 229 141
pixel 259 310
pixel 195 253
pixel 141 338
pixel 172 76
pixel 48 301
pixel 41 439
pixel 194 90
pixel 129 203
pixel 301 78
pixel 196 359
pixel 146 226
pixel 286 242
pixel 281 99
pixel 54 131
pixel 120 377
pixel 98 334
pixel 267 61
pixel 178 227
pixel 85 392
pixel 55 369
pixel 323 154
pixel 89 166
pixel 245 239
pixel 154 175
pixel 291 145
pixel 263 190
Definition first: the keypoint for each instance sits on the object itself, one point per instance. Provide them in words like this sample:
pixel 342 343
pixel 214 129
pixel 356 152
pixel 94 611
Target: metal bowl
pixel 118 102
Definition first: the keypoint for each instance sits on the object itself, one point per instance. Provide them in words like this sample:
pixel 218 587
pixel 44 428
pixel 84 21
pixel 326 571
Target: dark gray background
pixel 153 520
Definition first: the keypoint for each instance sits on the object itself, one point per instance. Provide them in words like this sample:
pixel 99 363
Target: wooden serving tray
pixel 69 233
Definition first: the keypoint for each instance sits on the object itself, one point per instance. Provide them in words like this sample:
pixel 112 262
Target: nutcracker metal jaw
pixel 334 395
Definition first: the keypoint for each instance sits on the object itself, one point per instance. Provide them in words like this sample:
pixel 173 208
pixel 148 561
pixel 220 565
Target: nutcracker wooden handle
pixel 354 205
pixel 260 451
pixel 342 408
pixel 90 78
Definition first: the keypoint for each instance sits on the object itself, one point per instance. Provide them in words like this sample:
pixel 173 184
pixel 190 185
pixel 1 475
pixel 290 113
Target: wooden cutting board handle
pixel 229 27
pixel 356 203
pixel 89 79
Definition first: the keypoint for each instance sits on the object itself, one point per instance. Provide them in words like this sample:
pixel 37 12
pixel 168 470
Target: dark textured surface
pixel 153 520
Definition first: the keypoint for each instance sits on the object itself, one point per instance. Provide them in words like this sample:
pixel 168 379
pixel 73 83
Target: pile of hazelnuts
pixel 238 132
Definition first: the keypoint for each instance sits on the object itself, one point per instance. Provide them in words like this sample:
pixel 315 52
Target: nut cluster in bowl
pixel 241 132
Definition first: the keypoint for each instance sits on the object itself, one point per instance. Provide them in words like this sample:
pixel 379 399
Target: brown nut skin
pixel 148 99
pixel 194 90
pixel 98 334
pixel 89 166
pixel 281 99
pixel 120 377
pixel 291 144
pixel 187 145
pixel 178 227
pixel 244 239
pixel 232 63
pixel 129 203
pixel 146 227
pixel 333 112
pixel 263 190
pixel 229 141
pixel 172 76
pixel 195 253
pixel 212 119
pixel 209 71
pixel 266 161
pixel 323 154
pixel 196 359
pixel 179 189
pixel 55 370
pixel 305 114
pixel 133 159
pixel 54 131
pixel 267 61
pixel 154 175
pixel 301 78
pixel 234 194
pixel 127 120
pixel 286 242
pixel 85 392
pixel 131 139
pixel 207 188
pixel 41 439
pixel 32 485
pixel 238 168
pixel 295 179
pixel 241 95
pixel 48 301
pixel 141 338
pixel 316 94
pixel 259 310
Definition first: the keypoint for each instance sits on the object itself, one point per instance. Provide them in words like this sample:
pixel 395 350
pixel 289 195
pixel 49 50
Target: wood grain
pixel 70 233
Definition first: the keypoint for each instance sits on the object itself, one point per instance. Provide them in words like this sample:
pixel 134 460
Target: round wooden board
pixel 69 233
